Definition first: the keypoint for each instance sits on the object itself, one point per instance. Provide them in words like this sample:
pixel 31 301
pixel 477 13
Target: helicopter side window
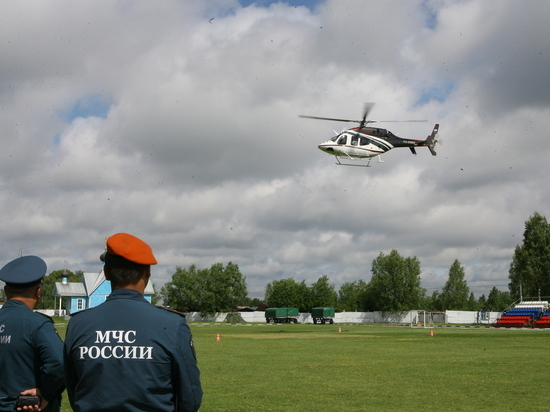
pixel 354 140
pixel 364 141
pixel 343 139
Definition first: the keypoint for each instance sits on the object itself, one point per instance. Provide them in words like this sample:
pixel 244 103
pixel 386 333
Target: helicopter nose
pixel 326 149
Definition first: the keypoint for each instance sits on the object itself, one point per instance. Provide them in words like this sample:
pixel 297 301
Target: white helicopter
pixel 360 143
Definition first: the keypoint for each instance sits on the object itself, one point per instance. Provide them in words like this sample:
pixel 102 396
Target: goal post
pixel 423 319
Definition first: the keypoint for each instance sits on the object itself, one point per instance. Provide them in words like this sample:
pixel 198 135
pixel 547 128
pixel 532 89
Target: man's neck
pixel 29 302
pixel 139 286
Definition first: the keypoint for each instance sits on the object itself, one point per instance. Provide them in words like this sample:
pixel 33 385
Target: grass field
pixel 301 368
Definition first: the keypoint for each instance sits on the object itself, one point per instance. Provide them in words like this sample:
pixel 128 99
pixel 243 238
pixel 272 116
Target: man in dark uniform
pixel 31 351
pixel 126 354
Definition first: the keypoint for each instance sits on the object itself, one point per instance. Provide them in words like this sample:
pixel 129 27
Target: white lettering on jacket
pixel 4 338
pixel 118 336
pixel 120 351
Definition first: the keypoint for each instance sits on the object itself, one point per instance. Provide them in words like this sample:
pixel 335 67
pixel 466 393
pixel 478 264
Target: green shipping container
pixel 293 312
pixel 281 312
pixel 322 312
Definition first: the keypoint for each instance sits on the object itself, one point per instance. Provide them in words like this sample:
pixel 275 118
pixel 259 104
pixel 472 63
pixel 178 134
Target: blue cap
pixel 23 270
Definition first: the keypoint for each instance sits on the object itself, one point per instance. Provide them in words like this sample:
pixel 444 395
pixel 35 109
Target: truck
pixel 282 315
pixel 322 315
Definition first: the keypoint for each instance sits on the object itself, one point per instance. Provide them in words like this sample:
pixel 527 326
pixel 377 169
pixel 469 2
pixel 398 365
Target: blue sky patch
pixel 438 92
pixel 88 106
pixel 431 15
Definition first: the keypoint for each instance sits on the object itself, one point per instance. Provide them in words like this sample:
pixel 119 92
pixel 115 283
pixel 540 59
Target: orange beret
pixel 131 248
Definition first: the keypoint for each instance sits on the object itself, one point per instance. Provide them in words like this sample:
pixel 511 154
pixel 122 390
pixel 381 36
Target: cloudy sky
pixel 177 121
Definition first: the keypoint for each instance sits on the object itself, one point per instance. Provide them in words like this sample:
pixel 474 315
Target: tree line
pixel 394 286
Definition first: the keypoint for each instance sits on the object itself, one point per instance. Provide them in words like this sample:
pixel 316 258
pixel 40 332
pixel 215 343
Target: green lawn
pixel 287 367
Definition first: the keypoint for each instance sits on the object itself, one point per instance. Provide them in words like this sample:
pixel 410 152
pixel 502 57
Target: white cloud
pixel 199 149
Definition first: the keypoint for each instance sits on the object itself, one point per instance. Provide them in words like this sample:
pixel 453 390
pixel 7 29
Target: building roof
pixel 69 289
pixel 149 289
pixel 260 308
pixel 91 281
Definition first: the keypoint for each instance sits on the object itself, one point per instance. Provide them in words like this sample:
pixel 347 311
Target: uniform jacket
pixel 31 355
pixel 129 355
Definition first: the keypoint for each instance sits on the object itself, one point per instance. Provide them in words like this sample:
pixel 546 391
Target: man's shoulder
pixel 80 312
pixel 170 310
pixel 83 314
pixel 30 318
pixel 152 314
pixel 44 317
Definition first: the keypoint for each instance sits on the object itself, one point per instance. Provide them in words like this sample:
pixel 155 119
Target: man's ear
pixel 107 273
pixel 146 274
pixel 38 293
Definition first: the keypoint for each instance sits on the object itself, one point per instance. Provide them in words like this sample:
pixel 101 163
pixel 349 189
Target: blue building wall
pixel 71 303
pixel 99 295
pixel 68 305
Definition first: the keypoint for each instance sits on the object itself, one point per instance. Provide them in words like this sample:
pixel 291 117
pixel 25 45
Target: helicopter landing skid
pixel 339 163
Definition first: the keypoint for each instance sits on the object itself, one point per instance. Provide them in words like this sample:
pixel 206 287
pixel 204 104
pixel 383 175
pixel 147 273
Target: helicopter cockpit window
pixel 335 138
pixel 343 139
pixel 354 140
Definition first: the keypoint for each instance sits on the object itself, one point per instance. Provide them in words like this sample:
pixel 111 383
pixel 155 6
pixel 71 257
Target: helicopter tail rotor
pixel 431 141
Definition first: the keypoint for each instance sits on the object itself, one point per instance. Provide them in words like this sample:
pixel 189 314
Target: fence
pixel 52 312
pixel 411 317
pixel 414 317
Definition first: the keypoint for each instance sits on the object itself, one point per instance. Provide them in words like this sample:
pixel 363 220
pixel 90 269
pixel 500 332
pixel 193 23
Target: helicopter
pixel 364 143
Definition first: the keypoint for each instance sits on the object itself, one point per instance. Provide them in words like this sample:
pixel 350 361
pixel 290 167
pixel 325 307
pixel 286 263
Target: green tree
pixel 228 285
pixel 304 297
pixel 473 303
pixel 434 302
pixel 252 302
pixel 155 298
pixel 218 289
pixel 456 292
pixel 497 300
pixel 395 283
pixel 322 294
pixel 530 267
pixel 48 300
pixel 287 293
pixel 183 292
pixel 482 302
pixel 351 296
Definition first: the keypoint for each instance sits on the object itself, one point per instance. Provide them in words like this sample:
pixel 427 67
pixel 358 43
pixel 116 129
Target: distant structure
pixel 92 291
pixel 260 308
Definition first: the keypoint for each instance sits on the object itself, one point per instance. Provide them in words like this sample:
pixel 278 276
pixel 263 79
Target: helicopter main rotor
pixel 362 122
